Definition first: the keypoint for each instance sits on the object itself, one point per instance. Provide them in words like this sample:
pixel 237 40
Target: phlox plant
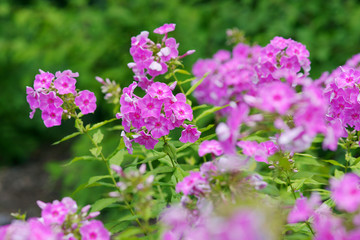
pixel 249 161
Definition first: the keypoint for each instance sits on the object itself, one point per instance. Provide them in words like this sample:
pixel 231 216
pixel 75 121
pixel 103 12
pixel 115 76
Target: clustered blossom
pixel 242 224
pixel 134 186
pixel 158 112
pixel 265 79
pixel 57 98
pixel 59 220
pixel 342 92
pixel 345 193
pixel 111 90
pixel 153 59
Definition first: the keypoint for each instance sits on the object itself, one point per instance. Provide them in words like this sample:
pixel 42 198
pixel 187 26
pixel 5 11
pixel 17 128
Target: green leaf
pixel 84 186
pixel 100 124
pixel 335 163
pixel 161 169
pixel 182 71
pixel 206 128
pixel 193 87
pixel 118 158
pixel 67 137
pixel 102 203
pixel 97 178
pixel 96 151
pixel 98 137
pixel 187 80
pixel 338 174
pixel 210 111
pixel 129 234
pixel 83 158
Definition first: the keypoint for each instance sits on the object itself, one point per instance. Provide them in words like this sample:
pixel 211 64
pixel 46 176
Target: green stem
pixel 294 195
pixel 83 130
pixel 181 89
pixel 158 187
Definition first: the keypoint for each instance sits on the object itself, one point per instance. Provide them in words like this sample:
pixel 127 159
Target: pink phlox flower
pixel 327 226
pixel 352 117
pixel 297 49
pixel 145 139
pixel 203 66
pixel 52 116
pixel 54 213
pixel 167 27
pixel 136 119
pixel 50 99
pixel 304 208
pixel 67 73
pixel 189 134
pixel 276 96
pixel 269 54
pixel 156 69
pixel 140 40
pixel 150 107
pixel 160 91
pixel 142 58
pixel 346 192
pixel 280 42
pixel 311 118
pixel 65 84
pixel 241 52
pixel 144 82
pixel 158 126
pixel 348 78
pixel 208 169
pixel 170 51
pixel 182 111
pixel 354 61
pixel 257 181
pixel 32 98
pixel 222 55
pixel 290 63
pixel 128 100
pixel 210 146
pixel 94 230
pixel 70 204
pixel 194 184
pixel 86 101
pixel 270 147
pixel 40 231
pixel 334 131
pixel 257 151
pixel 43 80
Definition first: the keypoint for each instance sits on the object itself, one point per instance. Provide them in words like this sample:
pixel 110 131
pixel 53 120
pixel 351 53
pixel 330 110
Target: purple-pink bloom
pixel 43 80
pixel 158 126
pixel 145 139
pixel 276 96
pixel 160 91
pixel 182 111
pixel 65 84
pixel 94 230
pixel 189 134
pixel 346 192
pixel 54 213
pixel 150 107
pixel 49 100
pixel 210 146
pixel 194 184
pixel 127 142
pixel 52 116
pixel 86 101
pixel 167 27
pixel 70 204
pixel 304 208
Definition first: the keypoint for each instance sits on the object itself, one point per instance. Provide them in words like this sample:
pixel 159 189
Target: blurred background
pixel 92 37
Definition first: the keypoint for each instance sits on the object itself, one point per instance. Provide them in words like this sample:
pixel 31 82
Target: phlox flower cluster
pixel 154 59
pixel 242 224
pixel 111 90
pixel 159 111
pixel 247 68
pixel 59 220
pixel 56 96
pixel 276 70
pixel 345 193
pixel 342 92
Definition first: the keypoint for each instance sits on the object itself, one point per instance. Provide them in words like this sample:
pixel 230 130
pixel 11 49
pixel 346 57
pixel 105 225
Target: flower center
pixel 93 235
